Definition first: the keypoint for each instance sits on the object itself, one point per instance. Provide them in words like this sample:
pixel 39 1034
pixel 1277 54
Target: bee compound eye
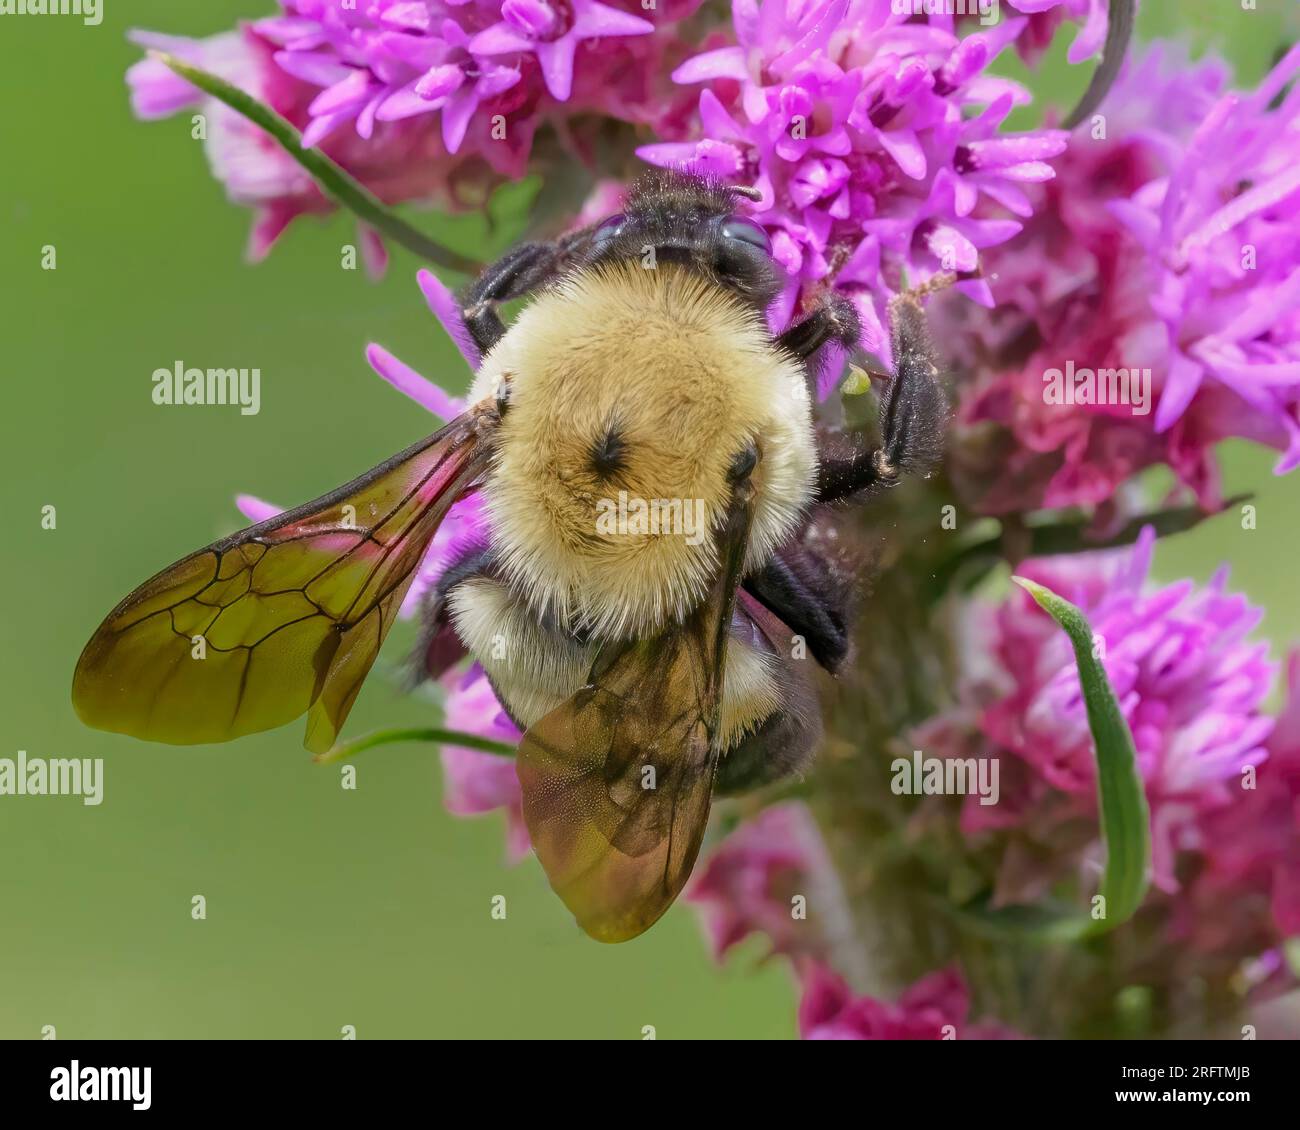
pixel 742 230
pixel 608 230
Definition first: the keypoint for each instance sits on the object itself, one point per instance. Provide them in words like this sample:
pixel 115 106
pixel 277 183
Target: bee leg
pixel 520 271
pixel 913 412
pixel 834 319
pixel 808 605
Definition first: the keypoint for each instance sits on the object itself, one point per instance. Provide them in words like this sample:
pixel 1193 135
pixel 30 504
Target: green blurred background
pixel 325 907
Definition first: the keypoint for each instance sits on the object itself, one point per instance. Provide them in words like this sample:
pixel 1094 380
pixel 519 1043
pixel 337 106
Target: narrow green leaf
pixel 331 179
pixel 344 750
pixel 1119 30
pixel 1125 819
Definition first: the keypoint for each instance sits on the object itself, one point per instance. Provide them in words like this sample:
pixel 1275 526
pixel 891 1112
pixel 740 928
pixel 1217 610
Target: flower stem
pixel 387 737
pixel 1047 539
pixel 331 179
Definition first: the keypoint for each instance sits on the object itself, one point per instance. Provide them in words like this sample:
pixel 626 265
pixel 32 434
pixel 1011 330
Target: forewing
pixel 283 618
pixel 617 781
pixel 616 786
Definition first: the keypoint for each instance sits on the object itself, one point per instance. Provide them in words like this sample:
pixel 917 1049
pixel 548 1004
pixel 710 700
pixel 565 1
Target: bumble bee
pixel 647 669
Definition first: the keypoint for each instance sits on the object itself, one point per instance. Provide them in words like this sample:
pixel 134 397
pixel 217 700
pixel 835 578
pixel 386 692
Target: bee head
pixel 675 217
pixel 635 404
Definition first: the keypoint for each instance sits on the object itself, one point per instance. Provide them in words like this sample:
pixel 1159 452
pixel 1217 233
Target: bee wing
pixel 617 781
pixel 291 612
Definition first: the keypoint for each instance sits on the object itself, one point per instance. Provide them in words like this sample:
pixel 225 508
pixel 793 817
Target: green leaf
pixel 331 179
pixel 1125 818
pixel 344 750
pixel 1119 30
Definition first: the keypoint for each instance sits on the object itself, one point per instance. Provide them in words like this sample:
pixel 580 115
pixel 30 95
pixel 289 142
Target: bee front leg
pixel 834 319
pixel 520 271
pixel 913 414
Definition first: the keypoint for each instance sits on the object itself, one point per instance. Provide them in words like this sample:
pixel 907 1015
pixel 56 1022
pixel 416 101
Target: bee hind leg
pixel 913 414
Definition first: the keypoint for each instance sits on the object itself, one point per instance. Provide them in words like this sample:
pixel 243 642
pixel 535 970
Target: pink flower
pixel 874 141
pixel 1136 259
pixel 457 86
pixel 1254 843
pixel 1223 233
pixel 255 171
pixel 934 1008
pixel 397 161
pixel 386 61
pixel 552 33
pixel 419 100
pixel 764 878
pixel 1190 685
pixel 476 782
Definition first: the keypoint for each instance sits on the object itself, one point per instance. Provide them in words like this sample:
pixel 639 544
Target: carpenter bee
pixel 647 667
